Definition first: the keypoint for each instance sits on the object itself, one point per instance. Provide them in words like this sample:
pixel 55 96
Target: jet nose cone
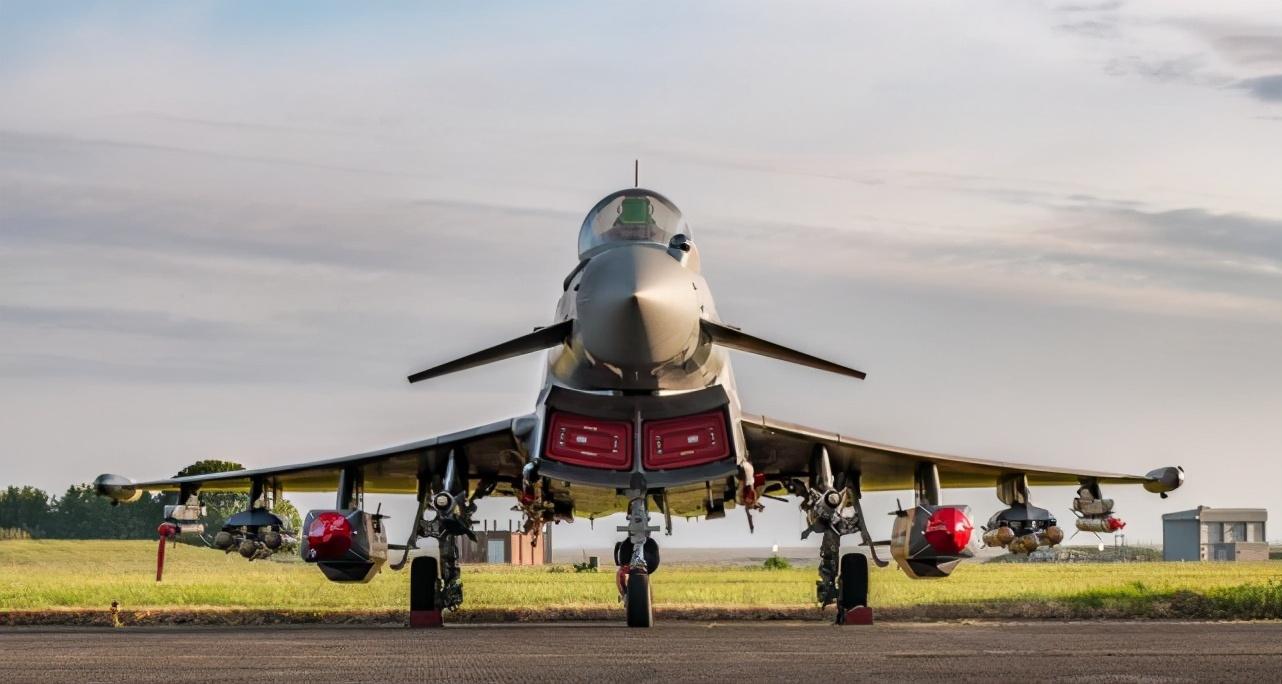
pixel 637 307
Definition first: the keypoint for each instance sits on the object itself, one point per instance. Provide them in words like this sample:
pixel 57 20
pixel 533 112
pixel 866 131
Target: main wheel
pixel 640 612
pixel 854 580
pixel 852 585
pixel 424 576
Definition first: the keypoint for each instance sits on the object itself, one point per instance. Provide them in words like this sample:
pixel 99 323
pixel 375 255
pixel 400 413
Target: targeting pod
pixel 930 541
pixel 348 545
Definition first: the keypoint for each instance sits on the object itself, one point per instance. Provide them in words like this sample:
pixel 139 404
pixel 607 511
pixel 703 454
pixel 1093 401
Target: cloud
pixel 1252 50
pixel 1266 88
pixel 1090 19
pixel 1189 69
pixel 1103 6
pixel 1234 236
pixel 149 323
pixel 1223 47
pixel 1245 43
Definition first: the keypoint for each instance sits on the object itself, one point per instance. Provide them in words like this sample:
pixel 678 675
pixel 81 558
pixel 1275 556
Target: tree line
pixel 81 514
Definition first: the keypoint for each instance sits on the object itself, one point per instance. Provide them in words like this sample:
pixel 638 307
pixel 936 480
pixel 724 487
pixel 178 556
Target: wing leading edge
pixel 785 449
pixel 490 451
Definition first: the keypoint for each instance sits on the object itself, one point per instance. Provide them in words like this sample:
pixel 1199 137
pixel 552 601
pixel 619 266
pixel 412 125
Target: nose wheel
pixel 637 599
pixel 637 557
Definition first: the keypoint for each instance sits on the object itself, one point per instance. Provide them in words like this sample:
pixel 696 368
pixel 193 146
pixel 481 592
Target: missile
pixel 1100 525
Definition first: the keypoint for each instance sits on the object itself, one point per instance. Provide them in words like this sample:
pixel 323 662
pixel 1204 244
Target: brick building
pixel 496 544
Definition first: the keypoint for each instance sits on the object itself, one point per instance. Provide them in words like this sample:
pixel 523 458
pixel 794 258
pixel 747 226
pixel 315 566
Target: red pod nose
pixel 330 535
pixel 948 531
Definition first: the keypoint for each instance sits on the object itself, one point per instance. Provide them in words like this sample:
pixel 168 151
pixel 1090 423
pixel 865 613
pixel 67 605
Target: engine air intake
pixel 590 442
pixel 686 441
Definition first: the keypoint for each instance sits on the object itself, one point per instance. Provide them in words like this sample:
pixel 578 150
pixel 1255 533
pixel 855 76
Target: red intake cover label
pixel 686 441
pixel 590 442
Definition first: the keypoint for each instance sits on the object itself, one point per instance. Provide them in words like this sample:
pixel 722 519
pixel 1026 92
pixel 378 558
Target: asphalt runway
pixel 675 651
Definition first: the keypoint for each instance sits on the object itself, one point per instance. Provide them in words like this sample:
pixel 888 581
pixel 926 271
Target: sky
pixel 1051 232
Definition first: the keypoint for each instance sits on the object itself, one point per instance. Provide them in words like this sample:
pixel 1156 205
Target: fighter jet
pixel 638 414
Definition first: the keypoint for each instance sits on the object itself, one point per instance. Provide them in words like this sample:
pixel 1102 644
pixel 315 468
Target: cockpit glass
pixel 631 216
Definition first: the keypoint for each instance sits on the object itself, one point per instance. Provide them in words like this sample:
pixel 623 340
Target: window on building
pixel 1214 532
pixel 1235 532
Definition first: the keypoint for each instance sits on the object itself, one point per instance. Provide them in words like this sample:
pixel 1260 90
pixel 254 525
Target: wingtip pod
pixel 1164 480
pixel 118 488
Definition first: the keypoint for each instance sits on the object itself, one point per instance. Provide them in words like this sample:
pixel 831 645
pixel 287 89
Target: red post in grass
pixel 165 530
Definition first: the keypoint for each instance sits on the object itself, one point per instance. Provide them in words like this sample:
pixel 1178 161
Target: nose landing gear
pixel 637 557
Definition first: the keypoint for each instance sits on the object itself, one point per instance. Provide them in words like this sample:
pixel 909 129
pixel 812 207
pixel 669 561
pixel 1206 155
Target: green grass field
pixel 89 575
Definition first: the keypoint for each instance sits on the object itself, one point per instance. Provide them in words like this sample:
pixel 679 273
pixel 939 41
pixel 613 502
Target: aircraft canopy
pixel 634 215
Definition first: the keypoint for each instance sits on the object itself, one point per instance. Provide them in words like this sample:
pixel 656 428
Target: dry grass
pixel 76 576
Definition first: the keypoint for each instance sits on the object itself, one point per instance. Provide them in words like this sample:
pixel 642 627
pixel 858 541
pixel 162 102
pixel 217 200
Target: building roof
pixel 1208 514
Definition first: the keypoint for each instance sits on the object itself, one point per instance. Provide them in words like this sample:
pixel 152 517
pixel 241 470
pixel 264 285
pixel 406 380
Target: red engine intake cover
pixel 686 441
pixel 948 531
pixel 590 442
pixel 330 535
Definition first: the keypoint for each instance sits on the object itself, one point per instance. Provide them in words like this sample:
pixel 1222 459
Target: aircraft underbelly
pixel 685 501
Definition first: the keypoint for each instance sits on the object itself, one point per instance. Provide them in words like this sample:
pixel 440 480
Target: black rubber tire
pixel 638 604
pixel 623 554
pixel 853 581
pixel 423 579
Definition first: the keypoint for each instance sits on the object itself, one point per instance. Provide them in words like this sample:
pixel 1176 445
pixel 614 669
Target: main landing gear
pixel 852 598
pixel 436 585
pixel 831 506
pixel 637 558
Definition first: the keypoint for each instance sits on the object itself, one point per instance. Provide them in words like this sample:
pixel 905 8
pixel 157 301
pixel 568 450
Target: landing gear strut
pixel 436 586
pixel 831 506
pixel 637 557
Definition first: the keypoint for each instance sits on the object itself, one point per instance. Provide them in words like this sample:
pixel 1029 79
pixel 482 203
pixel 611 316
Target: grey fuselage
pixel 636 335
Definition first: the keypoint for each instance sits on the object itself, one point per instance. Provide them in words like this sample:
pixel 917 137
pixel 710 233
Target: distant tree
pixel 81 514
pixel 24 508
pixel 219 506
pixel 286 511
